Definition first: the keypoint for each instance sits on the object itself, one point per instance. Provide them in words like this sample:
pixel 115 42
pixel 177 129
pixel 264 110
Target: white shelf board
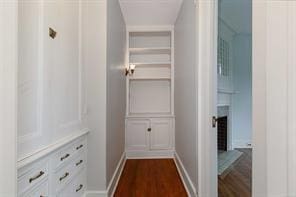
pixel 151 63
pixel 149 78
pixel 150 115
pixel 158 50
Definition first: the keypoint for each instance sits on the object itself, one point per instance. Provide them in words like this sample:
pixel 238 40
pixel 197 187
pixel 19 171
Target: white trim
pixel 94 193
pixel 116 176
pixel 187 182
pixel 206 147
pixel 150 154
pixel 49 149
pixel 241 144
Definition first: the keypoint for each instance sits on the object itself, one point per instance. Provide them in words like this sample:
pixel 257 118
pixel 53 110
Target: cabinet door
pixel 161 134
pixel 137 135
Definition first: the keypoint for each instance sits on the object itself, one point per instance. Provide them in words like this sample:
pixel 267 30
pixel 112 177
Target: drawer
pixel 79 162
pixel 33 175
pixel 63 176
pixel 66 154
pixel 76 187
pixel 41 190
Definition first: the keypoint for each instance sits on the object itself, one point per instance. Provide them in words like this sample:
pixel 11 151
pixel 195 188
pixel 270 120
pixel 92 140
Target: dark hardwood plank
pixel 238 182
pixel 150 178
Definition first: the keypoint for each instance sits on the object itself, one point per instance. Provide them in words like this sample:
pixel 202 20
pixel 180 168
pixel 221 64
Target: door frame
pixel 8 97
pixel 207 31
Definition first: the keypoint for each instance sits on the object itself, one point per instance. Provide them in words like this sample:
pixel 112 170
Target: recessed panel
pixel 150 96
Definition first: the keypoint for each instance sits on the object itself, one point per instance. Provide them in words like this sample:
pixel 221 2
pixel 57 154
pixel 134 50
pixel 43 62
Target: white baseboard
pixel 188 184
pixel 95 194
pixel 113 182
pixel 149 154
pixel 241 144
pixel 116 176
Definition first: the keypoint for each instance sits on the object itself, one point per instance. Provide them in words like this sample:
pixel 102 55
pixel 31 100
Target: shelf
pixel 151 63
pixel 150 115
pixel 158 50
pixel 150 78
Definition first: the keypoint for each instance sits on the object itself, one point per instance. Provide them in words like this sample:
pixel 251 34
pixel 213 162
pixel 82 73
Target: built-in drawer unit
pixel 41 190
pixel 65 174
pixel 76 187
pixel 60 171
pixel 68 153
pixel 32 176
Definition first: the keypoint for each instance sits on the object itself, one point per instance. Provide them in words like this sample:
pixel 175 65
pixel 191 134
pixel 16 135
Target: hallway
pixel 150 178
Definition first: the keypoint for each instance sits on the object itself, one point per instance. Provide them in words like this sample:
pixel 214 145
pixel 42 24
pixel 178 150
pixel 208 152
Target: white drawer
pixel 79 162
pixel 32 176
pixel 66 154
pixel 40 190
pixel 76 187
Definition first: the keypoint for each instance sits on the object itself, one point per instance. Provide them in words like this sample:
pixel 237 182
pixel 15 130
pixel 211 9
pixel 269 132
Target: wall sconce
pixel 130 69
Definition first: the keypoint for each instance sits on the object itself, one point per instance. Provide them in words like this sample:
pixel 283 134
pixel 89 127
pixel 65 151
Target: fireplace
pixel 222 131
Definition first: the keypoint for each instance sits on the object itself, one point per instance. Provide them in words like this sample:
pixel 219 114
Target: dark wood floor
pixel 238 181
pixel 150 178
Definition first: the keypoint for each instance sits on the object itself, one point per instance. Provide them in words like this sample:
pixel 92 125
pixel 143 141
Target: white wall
pixel 274 98
pixel 94 59
pixel 116 90
pixel 8 97
pixel 185 88
pixel 242 86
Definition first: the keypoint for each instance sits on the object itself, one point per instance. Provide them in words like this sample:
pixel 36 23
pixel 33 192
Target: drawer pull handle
pixel 79 147
pixel 79 188
pixel 79 162
pixel 65 176
pixel 65 157
pixel 36 177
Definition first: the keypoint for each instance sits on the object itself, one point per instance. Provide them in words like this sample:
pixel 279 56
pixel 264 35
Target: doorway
pixel 234 97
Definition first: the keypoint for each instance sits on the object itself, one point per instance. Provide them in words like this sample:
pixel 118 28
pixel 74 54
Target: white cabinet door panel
pixel 161 134
pixel 137 136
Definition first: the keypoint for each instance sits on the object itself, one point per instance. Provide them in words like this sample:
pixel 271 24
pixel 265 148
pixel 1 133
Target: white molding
pixel 241 144
pixel 116 176
pixel 188 184
pixel 30 158
pixel 94 193
pixel 150 154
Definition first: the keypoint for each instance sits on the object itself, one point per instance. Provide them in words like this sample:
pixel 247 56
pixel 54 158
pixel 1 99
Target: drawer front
pixel 64 156
pixel 40 190
pixel 76 187
pixel 33 176
pixel 63 176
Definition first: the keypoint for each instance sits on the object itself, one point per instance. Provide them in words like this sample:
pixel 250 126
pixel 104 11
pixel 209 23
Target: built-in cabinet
pixel 51 135
pixel 57 171
pixel 149 134
pixel 150 90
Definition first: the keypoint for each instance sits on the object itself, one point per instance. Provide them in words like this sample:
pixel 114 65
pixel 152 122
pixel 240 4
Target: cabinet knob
pixel 149 129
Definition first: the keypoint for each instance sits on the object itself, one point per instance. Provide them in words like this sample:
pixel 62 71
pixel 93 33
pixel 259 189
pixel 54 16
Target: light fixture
pixel 130 69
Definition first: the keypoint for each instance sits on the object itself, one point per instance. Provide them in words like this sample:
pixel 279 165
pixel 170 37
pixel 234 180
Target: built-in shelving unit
pixel 151 83
pixel 150 91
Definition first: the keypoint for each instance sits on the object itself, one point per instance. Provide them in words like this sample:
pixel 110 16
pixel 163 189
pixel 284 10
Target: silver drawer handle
pixel 65 157
pixel 36 177
pixel 65 176
pixel 79 188
pixel 79 147
pixel 79 162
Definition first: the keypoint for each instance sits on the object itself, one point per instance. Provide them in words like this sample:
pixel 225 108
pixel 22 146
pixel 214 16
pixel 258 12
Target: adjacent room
pixel 234 106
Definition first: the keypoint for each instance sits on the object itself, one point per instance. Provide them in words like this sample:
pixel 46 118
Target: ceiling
pixel 150 12
pixel 237 14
